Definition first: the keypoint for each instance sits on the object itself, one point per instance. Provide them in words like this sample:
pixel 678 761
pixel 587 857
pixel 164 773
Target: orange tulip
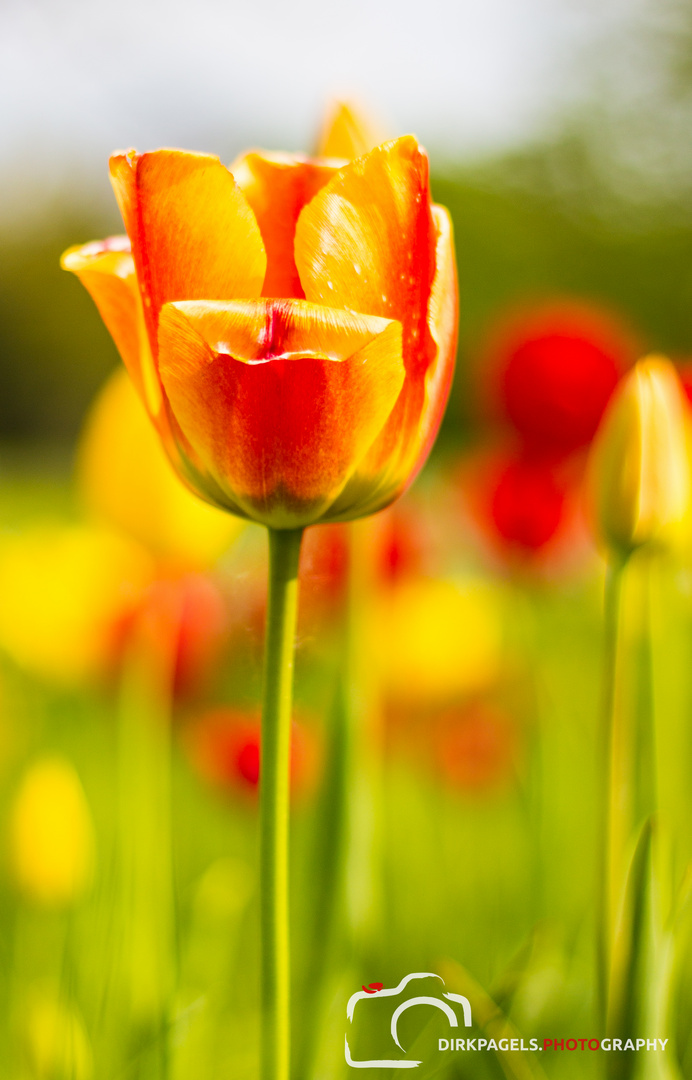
pixel 290 325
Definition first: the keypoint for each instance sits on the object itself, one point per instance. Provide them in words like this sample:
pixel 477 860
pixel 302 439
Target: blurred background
pixel 557 131
pixel 131 623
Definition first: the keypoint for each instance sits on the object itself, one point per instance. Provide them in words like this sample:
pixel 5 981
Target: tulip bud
pixel 640 479
pixel 51 835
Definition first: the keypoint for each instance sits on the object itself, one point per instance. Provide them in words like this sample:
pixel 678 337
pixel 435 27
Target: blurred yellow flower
pixel 55 1040
pixel 639 469
pixel 64 591
pixel 51 834
pixel 435 639
pixel 128 483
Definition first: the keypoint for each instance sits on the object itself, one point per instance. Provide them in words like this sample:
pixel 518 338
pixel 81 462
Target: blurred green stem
pixel 284 554
pixel 612 809
pixel 347 855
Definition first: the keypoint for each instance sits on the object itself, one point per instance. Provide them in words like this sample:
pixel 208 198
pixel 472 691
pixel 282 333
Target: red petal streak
pixel 403 444
pixel 366 242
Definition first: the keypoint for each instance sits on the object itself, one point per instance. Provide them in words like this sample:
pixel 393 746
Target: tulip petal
pixel 107 271
pixel 277 188
pixel 366 242
pixel 347 133
pixel 280 400
pixel 443 318
pixel 193 233
pixel 404 443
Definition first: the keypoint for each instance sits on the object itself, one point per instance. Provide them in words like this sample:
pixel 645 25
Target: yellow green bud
pixel 639 469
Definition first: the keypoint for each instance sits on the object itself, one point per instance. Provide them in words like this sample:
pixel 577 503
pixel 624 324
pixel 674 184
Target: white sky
pixel 79 78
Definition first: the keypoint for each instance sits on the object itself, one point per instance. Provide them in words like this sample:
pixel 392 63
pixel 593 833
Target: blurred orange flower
pixel 290 324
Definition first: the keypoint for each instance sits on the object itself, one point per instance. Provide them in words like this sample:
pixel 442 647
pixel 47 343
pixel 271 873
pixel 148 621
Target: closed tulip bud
pixel 640 479
pixel 51 834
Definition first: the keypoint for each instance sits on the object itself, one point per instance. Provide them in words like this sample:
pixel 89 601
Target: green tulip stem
pixel 282 607
pixel 611 810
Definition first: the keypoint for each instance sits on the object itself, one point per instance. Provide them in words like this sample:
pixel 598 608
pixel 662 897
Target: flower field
pixel 485 774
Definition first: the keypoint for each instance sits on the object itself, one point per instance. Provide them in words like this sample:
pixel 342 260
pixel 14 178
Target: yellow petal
pixel 366 243
pixel 404 443
pixel 107 270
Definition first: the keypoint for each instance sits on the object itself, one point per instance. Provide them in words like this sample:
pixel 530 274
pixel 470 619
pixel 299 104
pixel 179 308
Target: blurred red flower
pixel 527 503
pixel 526 508
pixel 685 373
pixel 556 365
pixel 225 746
pixel 323 573
pixel 477 746
pixel 183 622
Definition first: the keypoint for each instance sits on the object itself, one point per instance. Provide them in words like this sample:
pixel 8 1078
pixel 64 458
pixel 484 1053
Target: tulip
pixel 640 493
pixel 435 638
pixel 527 504
pixel 557 365
pixel 66 589
pixel 51 834
pixel 640 476
pixel 289 326
pixel 225 746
